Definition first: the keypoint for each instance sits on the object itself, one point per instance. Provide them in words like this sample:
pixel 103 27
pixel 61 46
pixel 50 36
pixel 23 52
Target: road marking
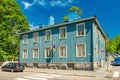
pixel 21 79
pixel 30 77
pixel 43 76
pixel 38 77
pixel 116 74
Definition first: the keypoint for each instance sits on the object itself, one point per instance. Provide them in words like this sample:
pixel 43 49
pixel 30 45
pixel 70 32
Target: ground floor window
pixel 63 51
pixel 80 50
pixel 25 54
pixel 35 53
pixel 48 53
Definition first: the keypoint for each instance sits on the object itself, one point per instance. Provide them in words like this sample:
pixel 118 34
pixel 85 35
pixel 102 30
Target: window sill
pixel 81 36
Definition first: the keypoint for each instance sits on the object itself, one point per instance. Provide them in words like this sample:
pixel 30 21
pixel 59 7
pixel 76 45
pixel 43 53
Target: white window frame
pixel 47 36
pixel 25 37
pixel 77 49
pixel 35 37
pixel 60 51
pixel 25 55
pixel 77 29
pixel 96 50
pixel 60 32
pixel 34 54
pixel 46 52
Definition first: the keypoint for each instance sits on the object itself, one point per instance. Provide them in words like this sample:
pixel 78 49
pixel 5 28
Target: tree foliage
pixel 12 22
pixel 114 46
pixel 73 8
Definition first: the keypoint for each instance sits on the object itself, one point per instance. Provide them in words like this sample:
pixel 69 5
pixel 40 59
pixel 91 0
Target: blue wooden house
pixel 76 44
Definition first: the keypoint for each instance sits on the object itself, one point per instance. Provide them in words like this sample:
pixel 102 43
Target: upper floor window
pixel 35 37
pixel 25 39
pixel 48 33
pixel 63 51
pixel 35 53
pixel 48 53
pixel 25 54
pixel 96 31
pixel 80 50
pixel 80 29
pixel 63 32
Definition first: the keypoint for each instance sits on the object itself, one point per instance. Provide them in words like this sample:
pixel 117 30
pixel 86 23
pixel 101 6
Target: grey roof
pixel 66 23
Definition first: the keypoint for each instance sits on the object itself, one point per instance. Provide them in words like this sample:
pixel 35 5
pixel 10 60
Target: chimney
pixel 41 25
pixel 51 20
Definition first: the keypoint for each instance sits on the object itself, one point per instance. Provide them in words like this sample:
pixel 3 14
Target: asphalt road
pixel 115 75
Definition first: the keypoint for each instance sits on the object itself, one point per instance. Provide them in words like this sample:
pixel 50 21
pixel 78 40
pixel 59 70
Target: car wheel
pixel 11 70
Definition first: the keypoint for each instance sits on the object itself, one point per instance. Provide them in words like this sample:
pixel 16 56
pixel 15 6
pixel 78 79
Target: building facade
pixel 77 44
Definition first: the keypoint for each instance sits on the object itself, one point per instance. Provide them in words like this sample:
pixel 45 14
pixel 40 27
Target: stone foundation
pixel 75 66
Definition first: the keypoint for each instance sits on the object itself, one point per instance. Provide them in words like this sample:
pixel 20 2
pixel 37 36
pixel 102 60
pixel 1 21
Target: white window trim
pixel 46 35
pixel 24 53
pixel 33 53
pixel 60 34
pixel 34 38
pixel 77 29
pixel 59 52
pixel 26 40
pixel 77 50
pixel 46 53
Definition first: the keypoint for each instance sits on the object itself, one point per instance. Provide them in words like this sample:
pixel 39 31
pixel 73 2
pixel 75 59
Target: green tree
pixel 115 45
pixel 12 22
pixel 73 8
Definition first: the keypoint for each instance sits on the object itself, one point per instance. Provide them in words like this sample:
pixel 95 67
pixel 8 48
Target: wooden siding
pixel 70 42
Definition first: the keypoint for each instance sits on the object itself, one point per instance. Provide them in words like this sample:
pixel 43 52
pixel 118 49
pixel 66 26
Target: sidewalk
pixel 103 72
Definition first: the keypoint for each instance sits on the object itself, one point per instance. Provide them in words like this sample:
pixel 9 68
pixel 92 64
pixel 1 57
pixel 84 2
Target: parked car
pixel 13 67
pixel 116 61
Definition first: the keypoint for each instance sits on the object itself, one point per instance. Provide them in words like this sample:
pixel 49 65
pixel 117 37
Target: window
pixel 25 37
pixel 47 33
pixel 35 53
pixel 62 52
pixel 63 31
pixel 35 37
pixel 80 50
pixel 96 50
pixel 96 31
pixel 25 54
pixel 48 53
pixel 80 29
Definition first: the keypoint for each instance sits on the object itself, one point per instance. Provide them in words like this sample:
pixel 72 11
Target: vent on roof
pixel 41 25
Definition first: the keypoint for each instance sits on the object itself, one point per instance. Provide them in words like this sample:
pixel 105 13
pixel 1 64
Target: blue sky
pixel 107 12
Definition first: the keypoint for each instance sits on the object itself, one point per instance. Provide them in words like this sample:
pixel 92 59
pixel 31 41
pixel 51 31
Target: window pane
pixel 80 50
pixel 48 53
pixel 35 37
pixel 35 53
pixel 24 39
pixel 80 30
pixel 62 32
pixel 24 54
pixel 48 35
pixel 63 51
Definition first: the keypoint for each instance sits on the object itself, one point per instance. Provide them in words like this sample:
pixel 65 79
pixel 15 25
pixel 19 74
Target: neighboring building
pixel 77 44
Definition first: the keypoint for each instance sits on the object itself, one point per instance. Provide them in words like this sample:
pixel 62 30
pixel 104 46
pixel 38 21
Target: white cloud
pixel 41 2
pixel 32 26
pixel 48 3
pixel 26 4
pixel 60 2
